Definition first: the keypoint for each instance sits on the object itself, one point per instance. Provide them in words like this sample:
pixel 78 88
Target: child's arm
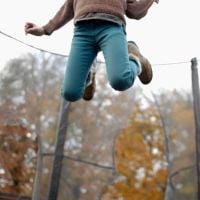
pixel 64 15
pixel 136 9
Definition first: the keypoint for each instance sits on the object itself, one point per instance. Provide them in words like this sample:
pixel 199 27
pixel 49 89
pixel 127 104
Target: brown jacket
pixel 73 9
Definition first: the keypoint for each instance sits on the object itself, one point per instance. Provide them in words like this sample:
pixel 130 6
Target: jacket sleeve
pixel 64 15
pixel 136 9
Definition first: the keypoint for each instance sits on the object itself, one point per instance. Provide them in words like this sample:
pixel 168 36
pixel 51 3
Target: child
pixel 99 26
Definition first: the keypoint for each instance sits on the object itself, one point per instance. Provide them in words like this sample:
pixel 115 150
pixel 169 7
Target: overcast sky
pixel 169 33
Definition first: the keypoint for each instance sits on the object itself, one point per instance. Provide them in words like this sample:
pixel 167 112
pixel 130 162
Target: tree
pixel 140 159
pixel 114 129
pixel 16 150
pixel 30 95
pixel 176 112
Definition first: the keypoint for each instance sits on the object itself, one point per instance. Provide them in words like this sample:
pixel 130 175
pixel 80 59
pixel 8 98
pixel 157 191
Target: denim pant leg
pixel 83 52
pixel 121 70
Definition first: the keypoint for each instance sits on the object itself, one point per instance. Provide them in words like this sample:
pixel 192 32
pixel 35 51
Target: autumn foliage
pixel 140 160
pixel 127 128
pixel 17 172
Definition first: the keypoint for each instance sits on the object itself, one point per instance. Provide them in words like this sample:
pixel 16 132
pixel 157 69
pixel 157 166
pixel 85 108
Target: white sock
pixel 136 59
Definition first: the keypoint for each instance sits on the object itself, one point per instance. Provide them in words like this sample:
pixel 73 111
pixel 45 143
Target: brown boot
pixel 146 74
pixel 90 88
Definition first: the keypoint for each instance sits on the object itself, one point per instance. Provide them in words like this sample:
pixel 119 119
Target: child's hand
pixel 33 29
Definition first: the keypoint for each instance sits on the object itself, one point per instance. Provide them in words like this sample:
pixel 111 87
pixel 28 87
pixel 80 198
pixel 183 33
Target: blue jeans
pixel 89 38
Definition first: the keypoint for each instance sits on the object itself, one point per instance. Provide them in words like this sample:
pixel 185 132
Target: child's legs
pixel 120 69
pixel 82 54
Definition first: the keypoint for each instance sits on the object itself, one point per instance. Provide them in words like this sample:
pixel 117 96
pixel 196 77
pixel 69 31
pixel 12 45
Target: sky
pixel 169 33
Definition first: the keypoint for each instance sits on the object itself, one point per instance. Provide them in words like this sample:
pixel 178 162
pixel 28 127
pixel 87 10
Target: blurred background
pixel 137 144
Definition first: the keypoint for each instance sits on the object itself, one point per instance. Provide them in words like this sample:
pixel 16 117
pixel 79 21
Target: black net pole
pixel 196 107
pixel 59 152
